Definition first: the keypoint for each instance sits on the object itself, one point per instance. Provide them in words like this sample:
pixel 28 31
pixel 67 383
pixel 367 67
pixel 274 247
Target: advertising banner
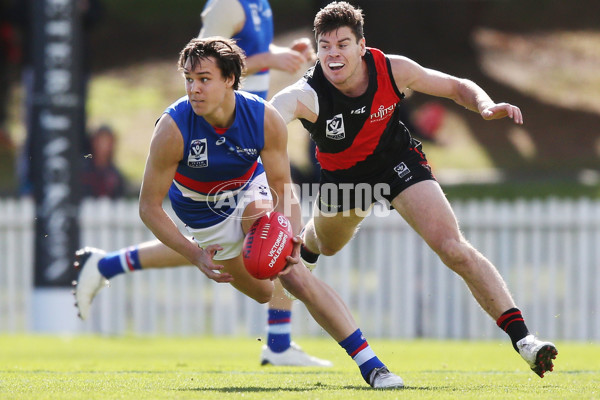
pixel 56 129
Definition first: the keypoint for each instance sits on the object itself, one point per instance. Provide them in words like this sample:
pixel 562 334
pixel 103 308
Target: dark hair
pixel 104 129
pixel 229 57
pixel 336 15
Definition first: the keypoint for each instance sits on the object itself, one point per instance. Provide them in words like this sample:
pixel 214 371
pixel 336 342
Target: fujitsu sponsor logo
pixel 382 113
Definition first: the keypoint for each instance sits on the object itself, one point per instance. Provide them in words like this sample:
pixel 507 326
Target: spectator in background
pixel 100 177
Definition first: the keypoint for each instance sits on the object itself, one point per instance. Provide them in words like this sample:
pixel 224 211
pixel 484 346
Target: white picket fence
pixel 547 250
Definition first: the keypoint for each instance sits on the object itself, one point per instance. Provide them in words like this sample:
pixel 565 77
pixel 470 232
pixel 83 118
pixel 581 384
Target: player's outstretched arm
pixel 503 110
pixel 409 74
pixel 278 57
pixel 288 59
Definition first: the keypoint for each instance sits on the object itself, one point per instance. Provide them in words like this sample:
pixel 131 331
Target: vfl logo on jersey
pixel 335 128
pixel 198 154
pixel 402 170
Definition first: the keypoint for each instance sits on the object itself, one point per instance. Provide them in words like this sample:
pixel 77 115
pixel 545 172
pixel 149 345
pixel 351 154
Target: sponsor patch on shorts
pixel 402 170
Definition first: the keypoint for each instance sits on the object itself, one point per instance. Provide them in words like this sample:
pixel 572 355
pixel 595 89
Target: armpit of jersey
pixel 286 101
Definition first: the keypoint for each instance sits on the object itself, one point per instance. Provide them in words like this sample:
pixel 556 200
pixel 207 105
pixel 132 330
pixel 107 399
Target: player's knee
pixel 455 253
pixel 261 293
pixel 263 296
pixel 328 250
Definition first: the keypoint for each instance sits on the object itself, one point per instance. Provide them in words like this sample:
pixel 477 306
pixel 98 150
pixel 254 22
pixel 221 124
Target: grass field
pixel 85 367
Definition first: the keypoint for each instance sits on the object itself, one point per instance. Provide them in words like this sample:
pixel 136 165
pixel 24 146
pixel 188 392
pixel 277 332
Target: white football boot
pixel 382 378
pixel 294 356
pixel 537 354
pixel 90 281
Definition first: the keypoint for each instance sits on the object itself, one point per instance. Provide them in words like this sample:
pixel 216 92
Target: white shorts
pixel 228 233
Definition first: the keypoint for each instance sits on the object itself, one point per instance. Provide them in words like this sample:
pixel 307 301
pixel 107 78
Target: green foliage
pixel 87 367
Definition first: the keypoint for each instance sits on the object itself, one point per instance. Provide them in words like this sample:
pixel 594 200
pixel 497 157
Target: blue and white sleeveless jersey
pixel 216 168
pixel 254 38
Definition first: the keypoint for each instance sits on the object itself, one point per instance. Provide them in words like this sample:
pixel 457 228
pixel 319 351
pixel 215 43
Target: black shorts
pixel 340 193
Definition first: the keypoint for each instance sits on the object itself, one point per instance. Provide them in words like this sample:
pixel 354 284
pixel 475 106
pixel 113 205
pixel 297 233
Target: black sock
pixel 308 255
pixel 513 324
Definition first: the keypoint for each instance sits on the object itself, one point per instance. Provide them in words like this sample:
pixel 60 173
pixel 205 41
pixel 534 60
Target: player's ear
pixel 363 46
pixel 229 81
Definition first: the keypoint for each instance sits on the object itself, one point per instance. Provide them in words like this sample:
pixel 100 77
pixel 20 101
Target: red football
pixel 267 244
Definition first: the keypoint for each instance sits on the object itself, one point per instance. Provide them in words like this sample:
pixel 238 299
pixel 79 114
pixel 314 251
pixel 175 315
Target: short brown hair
pixel 229 56
pixel 337 15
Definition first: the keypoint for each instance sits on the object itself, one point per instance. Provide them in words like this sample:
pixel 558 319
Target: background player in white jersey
pixel 250 23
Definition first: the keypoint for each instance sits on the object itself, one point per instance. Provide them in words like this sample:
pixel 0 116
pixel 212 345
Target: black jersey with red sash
pixel 357 137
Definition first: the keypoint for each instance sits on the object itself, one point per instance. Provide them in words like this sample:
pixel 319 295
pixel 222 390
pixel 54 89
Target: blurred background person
pixel 250 23
pixel 100 177
pixel 228 18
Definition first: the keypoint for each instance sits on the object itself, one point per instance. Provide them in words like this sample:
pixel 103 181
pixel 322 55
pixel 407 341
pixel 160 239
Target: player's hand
pixel 292 259
pixel 502 110
pixel 304 46
pixel 209 268
pixel 287 60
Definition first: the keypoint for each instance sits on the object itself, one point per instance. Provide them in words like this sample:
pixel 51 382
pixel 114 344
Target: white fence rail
pixel 548 251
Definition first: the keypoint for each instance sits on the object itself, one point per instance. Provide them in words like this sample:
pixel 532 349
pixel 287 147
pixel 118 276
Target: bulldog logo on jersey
pixel 263 190
pixel 335 128
pixel 198 154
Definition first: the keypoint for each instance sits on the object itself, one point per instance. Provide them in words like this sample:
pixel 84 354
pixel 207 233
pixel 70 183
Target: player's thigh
pixel 334 230
pixel 260 290
pixel 253 211
pixel 426 209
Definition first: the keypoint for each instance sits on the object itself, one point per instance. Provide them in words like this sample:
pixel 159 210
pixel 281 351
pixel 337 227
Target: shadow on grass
pixel 256 389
